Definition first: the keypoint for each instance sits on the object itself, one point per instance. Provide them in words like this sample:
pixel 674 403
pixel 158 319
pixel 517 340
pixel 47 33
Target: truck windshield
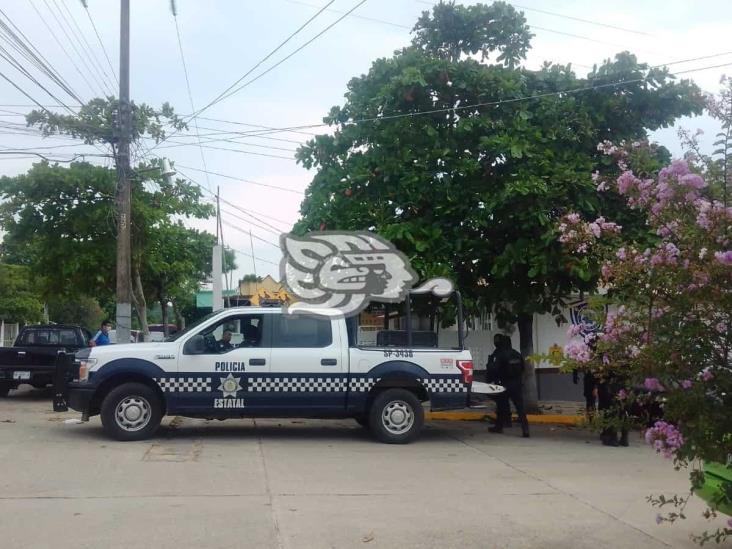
pixel 193 326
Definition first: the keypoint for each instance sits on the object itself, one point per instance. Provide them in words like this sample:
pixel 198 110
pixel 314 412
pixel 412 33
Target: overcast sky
pixel 223 39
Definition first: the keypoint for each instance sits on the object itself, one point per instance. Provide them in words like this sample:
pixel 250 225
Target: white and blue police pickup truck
pixel 262 362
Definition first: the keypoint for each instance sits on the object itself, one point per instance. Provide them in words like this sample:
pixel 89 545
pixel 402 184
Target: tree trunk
pixel 526 339
pixel 180 322
pixel 164 311
pixel 138 299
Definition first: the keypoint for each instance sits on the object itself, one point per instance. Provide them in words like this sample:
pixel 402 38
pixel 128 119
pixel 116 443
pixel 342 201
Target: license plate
pixel 21 375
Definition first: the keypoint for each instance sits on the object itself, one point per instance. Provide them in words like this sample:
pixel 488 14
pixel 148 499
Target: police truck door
pixel 218 378
pixel 309 368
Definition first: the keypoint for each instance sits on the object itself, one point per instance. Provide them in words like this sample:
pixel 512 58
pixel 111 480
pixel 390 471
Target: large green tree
pixel 60 222
pixel 19 300
pixel 465 164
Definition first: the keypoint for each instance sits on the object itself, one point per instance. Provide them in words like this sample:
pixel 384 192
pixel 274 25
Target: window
pixel 237 332
pixel 301 331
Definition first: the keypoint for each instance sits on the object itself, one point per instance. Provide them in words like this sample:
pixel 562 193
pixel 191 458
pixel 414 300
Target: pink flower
pixel 595 175
pixel 721 327
pixel 596 230
pixel 665 438
pixel 620 254
pixel 578 351
pixel 692 180
pixel 725 258
pixel 653 384
pixel 686 384
pixel 606 270
pixel 706 374
pixel 574 330
pixel 622 394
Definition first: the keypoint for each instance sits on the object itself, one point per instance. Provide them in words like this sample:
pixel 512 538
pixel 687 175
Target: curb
pixel 536 419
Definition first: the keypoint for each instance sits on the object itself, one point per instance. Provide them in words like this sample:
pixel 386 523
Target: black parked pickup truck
pixel 32 358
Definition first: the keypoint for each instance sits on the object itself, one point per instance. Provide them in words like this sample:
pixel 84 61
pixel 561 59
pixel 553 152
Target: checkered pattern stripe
pixel 362 384
pixel 296 385
pixel 445 385
pixel 185 384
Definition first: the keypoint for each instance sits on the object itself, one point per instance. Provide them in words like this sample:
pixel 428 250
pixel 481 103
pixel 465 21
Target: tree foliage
pixel 446 156
pixel 60 221
pixel 19 300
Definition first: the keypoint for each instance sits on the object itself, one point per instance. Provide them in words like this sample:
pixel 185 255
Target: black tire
pixel 4 389
pixel 363 421
pixel 130 399
pixel 396 416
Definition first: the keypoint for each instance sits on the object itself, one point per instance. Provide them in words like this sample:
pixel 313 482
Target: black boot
pixel 608 438
pixel 496 429
pixel 624 438
pixel 525 434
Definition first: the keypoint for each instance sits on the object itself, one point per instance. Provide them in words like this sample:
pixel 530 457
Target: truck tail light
pixel 466 367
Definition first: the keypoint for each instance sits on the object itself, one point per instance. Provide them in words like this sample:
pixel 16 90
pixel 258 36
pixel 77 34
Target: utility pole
pixel 216 263
pixel 124 209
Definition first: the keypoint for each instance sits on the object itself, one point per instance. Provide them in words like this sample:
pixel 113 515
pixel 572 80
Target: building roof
pixel 204 298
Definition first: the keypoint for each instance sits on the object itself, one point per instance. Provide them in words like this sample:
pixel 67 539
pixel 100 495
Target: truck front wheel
pixel 4 389
pixel 396 416
pixel 131 411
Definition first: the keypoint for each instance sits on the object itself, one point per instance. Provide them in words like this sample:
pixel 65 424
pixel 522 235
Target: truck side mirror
pixel 195 346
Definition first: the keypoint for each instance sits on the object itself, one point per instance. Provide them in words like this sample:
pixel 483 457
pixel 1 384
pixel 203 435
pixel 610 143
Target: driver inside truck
pixel 224 344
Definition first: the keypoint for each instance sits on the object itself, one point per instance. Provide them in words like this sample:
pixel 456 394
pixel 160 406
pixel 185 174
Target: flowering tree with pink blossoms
pixel 667 331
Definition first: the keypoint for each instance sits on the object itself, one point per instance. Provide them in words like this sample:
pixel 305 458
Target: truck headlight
pixel 84 366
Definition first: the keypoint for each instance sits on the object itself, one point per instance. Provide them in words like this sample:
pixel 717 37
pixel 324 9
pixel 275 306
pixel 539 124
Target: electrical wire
pixel 25 47
pixel 226 93
pixel 73 43
pixel 88 50
pixel 259 63
pixel 99 39
pixel 63 49
pixel 239 179
pixel 299 49
pixel 190 93
pixel 559 93
pixel 273 230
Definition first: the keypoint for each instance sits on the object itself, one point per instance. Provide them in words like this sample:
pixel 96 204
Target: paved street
pixel 306 483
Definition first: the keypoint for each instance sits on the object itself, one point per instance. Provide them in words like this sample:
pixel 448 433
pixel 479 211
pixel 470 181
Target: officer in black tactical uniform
pixel 506 367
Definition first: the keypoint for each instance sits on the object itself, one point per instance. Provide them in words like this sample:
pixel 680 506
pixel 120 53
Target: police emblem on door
pixel 230 387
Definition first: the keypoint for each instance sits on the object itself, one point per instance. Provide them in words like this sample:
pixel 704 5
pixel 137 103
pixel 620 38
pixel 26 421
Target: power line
pixel 258 145
pixel 60 44
pixel 306 44
pixel 222 95
pixel 188 87
pixel 362 17
pixel 5 54
pixel 555 14
pixel 239 179
pixel 25 47
pixel 236 228
pixel 99 39
pixel 568 91
pixel 88 50
pixel 254 257
pixel 267 227
pixel 100 83
pixel 242 124
pixel 226 149
pixel 588 21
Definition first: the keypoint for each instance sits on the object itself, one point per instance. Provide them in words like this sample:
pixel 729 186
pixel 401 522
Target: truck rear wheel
pixel 396 416
pixel 131 411
pixel 4 389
